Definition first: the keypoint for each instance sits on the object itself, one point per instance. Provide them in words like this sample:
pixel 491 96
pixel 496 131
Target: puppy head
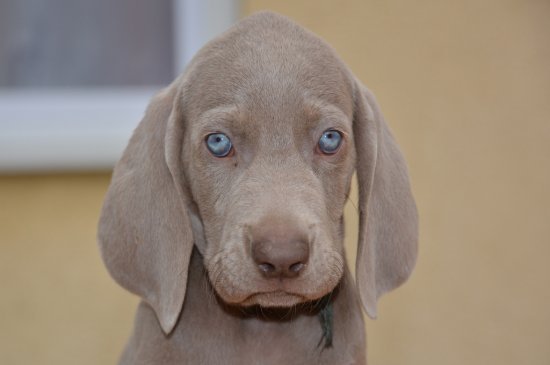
pixel 249 155
pixel 271 202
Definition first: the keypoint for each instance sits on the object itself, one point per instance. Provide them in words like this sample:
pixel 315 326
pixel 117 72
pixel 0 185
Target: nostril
pixel 266 267
pixel 296 267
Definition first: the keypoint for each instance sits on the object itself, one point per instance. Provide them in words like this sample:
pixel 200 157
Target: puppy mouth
pixel 274 293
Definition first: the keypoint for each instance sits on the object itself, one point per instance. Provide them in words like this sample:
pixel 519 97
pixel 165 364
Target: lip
pixel 273 299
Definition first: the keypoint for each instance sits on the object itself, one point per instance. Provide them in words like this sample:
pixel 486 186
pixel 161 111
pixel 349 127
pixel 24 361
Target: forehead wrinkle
pixel 226 118
pixel 321 112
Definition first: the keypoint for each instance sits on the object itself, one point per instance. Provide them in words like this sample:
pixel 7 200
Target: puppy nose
pixel 280 258
pixel 280 254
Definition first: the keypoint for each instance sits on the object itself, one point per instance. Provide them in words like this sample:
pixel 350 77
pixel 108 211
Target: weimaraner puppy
pixel 225 213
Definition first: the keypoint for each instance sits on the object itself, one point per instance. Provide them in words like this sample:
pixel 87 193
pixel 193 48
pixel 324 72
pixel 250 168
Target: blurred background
pixel 464 85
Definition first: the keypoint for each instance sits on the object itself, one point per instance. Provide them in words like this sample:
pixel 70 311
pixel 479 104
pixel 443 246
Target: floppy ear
pixel 388 223
pixel 144 232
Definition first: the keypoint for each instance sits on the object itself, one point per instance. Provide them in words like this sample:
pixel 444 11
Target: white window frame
pixel 86 129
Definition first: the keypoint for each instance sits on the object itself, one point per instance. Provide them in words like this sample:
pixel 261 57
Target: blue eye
pixel 330 141
pixel 219 144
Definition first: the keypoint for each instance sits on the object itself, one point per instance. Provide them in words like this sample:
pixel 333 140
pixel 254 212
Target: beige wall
pixel 57 303
pixel 465 85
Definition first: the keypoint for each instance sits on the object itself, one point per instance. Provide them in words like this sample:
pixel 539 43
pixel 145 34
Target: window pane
pixel 85 43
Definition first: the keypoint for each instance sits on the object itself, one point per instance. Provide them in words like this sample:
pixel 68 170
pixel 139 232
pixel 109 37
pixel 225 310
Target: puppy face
pixel 248 156
pixel 269 163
